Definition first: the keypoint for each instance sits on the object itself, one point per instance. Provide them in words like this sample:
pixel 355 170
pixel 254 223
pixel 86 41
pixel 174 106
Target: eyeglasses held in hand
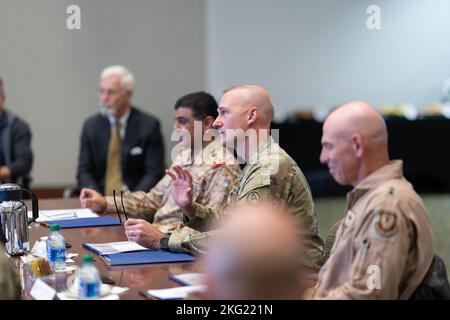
pixel 117 207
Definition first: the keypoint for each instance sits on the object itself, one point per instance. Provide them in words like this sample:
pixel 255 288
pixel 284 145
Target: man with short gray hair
pixel 256 256
pixel 121 147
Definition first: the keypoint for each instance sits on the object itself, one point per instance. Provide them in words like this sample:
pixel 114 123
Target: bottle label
pixel 57 254
pixel 89 290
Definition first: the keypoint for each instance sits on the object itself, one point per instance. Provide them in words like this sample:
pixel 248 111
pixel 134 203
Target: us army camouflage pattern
pixel 384 245
pixel 270 175
pixel 9 280
pixel 213 174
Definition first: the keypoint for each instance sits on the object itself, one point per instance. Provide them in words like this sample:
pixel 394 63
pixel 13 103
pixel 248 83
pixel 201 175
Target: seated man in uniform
pixel 212 167
pixel 270 174
pixel 249 261
pixel 384 246
pixel 16 157
pixel 121 147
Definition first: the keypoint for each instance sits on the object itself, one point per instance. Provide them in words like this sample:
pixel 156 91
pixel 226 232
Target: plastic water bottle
pixel 56 249
pixel 89 279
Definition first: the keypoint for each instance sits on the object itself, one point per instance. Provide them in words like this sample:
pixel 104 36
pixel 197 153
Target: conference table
pixel 138 278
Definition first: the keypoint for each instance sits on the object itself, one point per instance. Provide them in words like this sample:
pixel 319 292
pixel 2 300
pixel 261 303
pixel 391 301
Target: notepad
pixel 114 247
pixel 64 214
pixel 189 279
pixel 175 293
pixel 84 222
pixel 144 257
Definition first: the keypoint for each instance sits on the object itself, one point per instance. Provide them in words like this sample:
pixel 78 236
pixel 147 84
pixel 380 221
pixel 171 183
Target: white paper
pixel 107 292
pixel 71 255
pixel 175 293
pixel 64 296
pixel 190 279
pixel 42 291
pixel 69 269
pixel 119 290
pixel 116 247
pixel 40 250
pixel 64 214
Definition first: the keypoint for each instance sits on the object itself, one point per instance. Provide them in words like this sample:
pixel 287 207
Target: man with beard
pixel 270 174
pixel 213 169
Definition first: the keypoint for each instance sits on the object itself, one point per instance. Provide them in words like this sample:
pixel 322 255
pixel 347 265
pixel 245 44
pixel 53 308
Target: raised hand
pixel 182 188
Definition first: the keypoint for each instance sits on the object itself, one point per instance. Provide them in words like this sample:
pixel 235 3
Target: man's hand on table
pixel 143 233
pixel 93 200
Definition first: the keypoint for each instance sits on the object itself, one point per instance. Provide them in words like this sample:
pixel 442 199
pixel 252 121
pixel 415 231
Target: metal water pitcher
pixel 14 219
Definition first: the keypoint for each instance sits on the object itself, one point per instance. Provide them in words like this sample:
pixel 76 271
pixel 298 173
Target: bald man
pixel 384 246
pixel 245 113
pixel 249 261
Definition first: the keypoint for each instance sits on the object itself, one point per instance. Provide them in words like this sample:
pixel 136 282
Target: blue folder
pixel 85 245
pixel 178 280
pixel 143 257
pixel 85 222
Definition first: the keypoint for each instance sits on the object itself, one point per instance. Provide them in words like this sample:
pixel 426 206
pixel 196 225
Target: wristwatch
pixel 164 242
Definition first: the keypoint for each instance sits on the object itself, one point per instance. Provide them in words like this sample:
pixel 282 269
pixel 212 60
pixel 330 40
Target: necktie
pixel 113 168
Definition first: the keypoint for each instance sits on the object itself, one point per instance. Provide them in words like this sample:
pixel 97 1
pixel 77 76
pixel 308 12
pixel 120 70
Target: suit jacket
pixel 142 160
pixel 16 145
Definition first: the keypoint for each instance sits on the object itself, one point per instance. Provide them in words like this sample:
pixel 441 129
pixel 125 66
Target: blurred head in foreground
pixel 256 256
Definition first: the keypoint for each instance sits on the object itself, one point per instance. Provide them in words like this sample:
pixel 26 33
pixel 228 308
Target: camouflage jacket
pixel 214 171
pixel 270 175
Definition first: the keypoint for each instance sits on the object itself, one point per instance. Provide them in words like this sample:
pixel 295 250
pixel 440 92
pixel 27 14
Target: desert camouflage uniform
pixel 214 171
pixel 384 245
pixel 270 175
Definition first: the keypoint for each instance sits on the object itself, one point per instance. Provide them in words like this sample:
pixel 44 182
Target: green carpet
pixel 329 210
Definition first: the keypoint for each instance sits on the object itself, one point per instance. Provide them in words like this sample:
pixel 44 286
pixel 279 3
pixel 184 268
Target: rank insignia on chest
pixel 217 164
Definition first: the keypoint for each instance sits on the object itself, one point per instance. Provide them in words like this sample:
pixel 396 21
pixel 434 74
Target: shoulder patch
pixel 255 182
pixel 253 197
pixel 386 224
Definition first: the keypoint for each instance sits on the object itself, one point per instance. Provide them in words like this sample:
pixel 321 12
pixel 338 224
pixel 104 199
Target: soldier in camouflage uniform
pixel 274 176
pixel 384 244
pixel 270 174
pixel 213 178
pixel 9 280
pixel 213 168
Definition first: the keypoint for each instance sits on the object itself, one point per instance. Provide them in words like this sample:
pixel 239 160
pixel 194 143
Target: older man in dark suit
pixel 16 156
pixel 121 147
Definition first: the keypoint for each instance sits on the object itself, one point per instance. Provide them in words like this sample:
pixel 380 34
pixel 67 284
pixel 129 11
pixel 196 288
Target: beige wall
pixel 51 73
pixel 320 53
